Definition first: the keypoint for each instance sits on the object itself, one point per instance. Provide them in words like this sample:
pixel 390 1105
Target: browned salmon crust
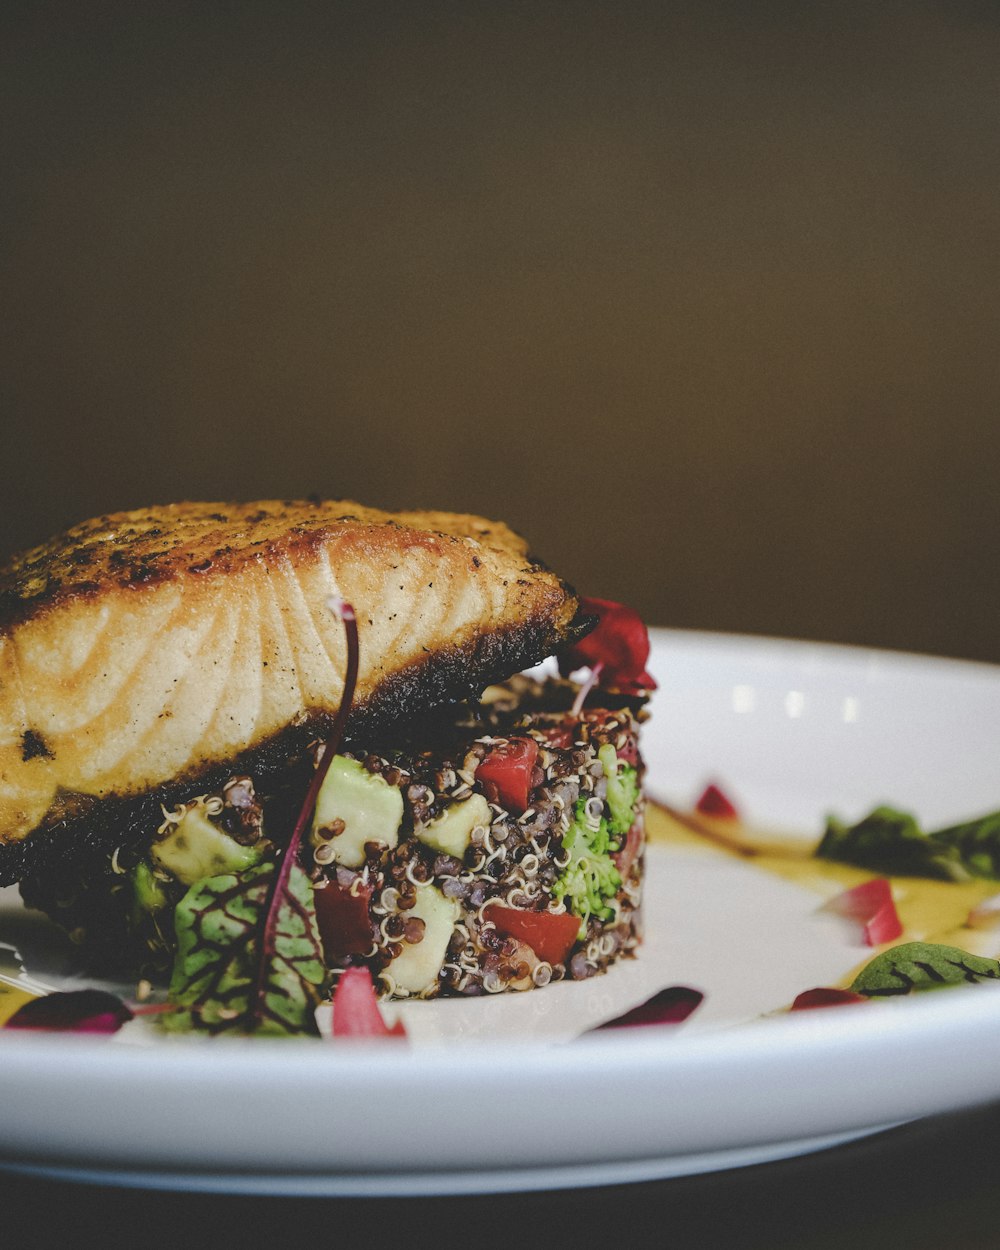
pixel 147 652
pixel 169 542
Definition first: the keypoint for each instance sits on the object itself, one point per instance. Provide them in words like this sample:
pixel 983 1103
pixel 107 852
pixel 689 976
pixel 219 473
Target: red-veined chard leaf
pixel 214 987
pixel 250 956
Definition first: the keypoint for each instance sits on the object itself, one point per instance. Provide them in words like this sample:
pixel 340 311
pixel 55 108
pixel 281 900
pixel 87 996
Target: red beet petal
pixel 825 996
pixel 669 1006
pixel 619 642
pixel 75 1011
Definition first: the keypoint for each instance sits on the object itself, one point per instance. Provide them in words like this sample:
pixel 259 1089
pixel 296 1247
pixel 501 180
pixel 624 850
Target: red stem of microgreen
pixel 585 689
pixel 346 615
pixel 151 1009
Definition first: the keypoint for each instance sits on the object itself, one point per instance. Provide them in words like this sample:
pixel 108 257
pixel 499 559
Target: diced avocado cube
pixel 451 832
pixel 371 809
pixel 194 848
pixel 417 966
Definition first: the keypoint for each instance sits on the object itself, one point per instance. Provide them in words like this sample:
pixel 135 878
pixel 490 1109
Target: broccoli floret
pixel 590 878
pixel 147 889
pixel 623 790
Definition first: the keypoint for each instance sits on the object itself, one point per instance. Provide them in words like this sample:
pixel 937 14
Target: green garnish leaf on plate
pixel 917 966
pixel 891 842
pixel 977 842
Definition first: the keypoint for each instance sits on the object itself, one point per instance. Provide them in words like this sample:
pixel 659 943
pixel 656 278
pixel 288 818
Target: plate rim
pixel 666 1061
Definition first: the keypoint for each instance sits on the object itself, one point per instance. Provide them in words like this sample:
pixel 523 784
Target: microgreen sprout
pixel 279 892
pixel 585 689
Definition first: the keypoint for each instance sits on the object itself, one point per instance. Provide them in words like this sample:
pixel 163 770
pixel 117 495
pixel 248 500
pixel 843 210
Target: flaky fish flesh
pixel 158 646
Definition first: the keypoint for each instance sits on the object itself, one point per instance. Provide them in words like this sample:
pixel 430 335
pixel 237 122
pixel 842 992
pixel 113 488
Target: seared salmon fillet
pixel 146 651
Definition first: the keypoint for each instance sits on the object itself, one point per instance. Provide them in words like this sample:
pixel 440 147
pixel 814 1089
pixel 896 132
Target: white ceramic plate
pixel 494 1094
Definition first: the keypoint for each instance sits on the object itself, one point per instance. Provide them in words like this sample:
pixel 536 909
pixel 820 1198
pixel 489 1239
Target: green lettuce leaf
pixel 219 923
pixel 917 966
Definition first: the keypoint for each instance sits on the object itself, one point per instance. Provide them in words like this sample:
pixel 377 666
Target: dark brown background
pixel 703 297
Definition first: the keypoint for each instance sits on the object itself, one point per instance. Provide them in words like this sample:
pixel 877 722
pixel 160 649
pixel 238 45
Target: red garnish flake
pixel 355 1008
pixel 826 996
pixel 619 643
pixel 715 803
pixel 508 768
pixel 628 753
pixel 76 1011
pixel 560 737
pixel 626 857
pixel 669 1006
pixel 985 915
pixel 872 905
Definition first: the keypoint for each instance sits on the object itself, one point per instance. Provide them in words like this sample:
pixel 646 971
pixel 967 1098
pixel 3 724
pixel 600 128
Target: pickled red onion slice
pixel 355 1008
pixel 871 904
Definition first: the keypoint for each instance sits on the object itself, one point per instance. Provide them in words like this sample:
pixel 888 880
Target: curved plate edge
pixel 443 1184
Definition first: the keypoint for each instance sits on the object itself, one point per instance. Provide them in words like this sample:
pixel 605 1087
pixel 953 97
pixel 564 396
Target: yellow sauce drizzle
pixel 11 998
pixel 930 911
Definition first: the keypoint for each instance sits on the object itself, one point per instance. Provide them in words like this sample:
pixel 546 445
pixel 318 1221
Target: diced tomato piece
pixel 626 857
pixel 345 924
pixel 826 996
pixel 561 737
pixel 871 904
pixel 509 767
pixel 714 803
pixel 355 1008
pixel 550 936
